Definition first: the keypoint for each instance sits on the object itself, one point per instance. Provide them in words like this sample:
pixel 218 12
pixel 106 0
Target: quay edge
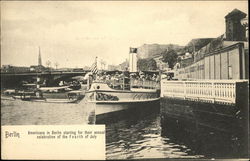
pixel 202 114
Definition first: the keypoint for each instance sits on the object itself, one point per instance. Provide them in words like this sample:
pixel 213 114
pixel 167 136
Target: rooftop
pixel 236 12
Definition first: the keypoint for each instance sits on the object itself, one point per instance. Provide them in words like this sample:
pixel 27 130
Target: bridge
pixel 47 73
pixel 52 77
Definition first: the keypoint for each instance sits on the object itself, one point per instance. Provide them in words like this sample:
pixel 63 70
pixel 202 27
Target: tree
pixel 146 64
pixel 170 57
pixel 179 59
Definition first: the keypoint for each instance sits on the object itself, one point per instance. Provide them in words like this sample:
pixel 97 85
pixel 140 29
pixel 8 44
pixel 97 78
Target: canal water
pixel 143 132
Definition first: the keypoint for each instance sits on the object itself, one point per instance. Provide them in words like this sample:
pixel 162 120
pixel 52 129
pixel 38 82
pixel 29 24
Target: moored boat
pixel 102 93
pixel 116 95
pixel 48 94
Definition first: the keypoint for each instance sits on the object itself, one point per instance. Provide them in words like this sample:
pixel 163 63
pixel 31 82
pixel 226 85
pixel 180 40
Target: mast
pixel 39 66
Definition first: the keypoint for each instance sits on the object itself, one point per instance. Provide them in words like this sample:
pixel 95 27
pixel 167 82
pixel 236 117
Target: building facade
pixel 225 57
pixel 230 62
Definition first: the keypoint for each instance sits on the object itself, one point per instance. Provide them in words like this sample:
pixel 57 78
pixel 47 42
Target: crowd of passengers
pixel 141 76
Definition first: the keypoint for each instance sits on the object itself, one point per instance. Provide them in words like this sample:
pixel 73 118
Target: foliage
pixel 170 57
pixel 179 59
pixel 146 64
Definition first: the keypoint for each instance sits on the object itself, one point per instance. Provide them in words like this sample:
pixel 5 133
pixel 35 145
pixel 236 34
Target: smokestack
pixel 133 60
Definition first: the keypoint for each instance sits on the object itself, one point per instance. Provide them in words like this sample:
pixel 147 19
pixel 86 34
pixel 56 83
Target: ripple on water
pixel 141 138
pixel 18 112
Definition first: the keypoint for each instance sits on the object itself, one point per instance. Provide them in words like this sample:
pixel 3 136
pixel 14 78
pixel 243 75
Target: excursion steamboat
pixel 115 90
pixel 120 94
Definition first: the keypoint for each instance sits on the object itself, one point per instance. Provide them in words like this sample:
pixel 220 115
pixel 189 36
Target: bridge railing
pixel 223 91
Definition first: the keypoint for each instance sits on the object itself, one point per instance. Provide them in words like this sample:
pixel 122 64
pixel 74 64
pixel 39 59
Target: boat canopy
pixel 131 73
pixel 113 72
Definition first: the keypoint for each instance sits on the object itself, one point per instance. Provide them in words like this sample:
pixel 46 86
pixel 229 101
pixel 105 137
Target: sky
pixel 73 33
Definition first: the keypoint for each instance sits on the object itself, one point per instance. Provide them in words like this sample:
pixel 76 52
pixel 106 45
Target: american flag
pixel 93 68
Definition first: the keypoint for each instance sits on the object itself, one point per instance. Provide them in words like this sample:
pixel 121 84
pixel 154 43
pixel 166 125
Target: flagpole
pixel 96 68
pixel 96 61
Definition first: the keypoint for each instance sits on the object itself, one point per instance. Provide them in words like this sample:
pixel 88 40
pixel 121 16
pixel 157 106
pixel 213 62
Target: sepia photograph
pixel 124 80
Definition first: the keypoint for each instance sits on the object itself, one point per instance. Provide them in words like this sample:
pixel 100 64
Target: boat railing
pixel 145 84
pixel 119 84
pixel 127 84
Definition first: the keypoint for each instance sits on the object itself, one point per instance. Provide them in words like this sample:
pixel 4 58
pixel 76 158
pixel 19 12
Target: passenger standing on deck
pixel 126 79
pixel 90 80
pixel 107 77
pixel 104 76
pixel 126 73
pixel 157 78
pixel 154 77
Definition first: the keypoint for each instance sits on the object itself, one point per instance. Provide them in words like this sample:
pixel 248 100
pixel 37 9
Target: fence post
pixel 233 90
pixel 213 92
pixel 185 89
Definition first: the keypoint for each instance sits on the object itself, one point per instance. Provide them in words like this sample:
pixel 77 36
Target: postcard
pixel 96 80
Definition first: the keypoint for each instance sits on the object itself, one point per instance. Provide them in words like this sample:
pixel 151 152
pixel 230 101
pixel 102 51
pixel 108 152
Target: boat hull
pixel 121 97
pixel 108 100
pixel 45 100
pixel 103 110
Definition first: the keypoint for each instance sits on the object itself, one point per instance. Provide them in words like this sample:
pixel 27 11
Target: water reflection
pixel 142 132
pixel 139 135
pixel 150 133
pixel 203 141
pixel 18 112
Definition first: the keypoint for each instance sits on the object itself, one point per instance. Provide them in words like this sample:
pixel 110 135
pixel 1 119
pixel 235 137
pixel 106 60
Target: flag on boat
pixel 93 68
pixel 133 50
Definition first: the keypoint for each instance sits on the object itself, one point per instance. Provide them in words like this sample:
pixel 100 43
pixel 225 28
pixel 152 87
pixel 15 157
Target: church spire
pixel 39 58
